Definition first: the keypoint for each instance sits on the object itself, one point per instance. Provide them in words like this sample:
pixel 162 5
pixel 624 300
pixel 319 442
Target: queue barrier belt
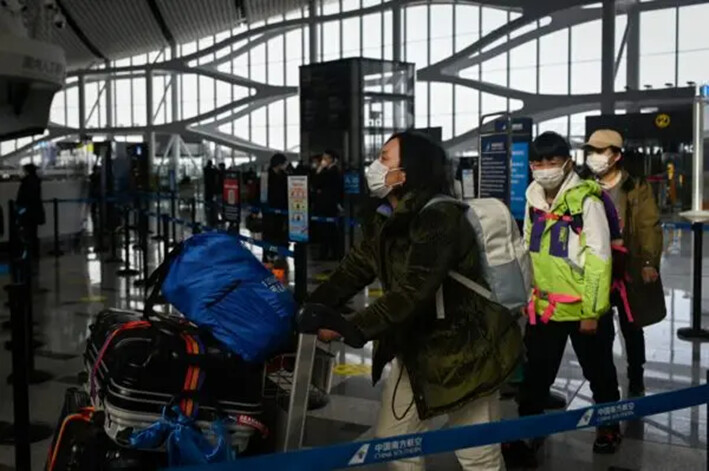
pixel 360 453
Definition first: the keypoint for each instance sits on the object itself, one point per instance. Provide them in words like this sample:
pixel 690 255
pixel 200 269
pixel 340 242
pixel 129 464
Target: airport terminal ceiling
pixel 226 71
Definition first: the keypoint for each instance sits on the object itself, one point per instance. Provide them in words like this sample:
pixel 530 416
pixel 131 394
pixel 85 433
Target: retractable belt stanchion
pixel 20 433
pixel 698 216
pixel 173 215
pixel 193 216
pixel 101 229
pixel 158 211
pixel 143 222
pixel 114 249
pixel 166 234
pixel 126 271
pixel 56 251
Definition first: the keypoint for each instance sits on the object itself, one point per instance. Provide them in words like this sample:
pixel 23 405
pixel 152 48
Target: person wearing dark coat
pixel 641 302
pixel 275 217
pixel 30 207
pixel 210 190
pixel 327 201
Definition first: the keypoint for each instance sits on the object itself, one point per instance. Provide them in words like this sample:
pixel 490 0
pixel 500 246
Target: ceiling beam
pixel 160 20
pixel 79 32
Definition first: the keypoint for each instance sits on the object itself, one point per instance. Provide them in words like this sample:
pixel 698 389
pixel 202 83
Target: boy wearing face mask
pixel 569 241
pixel 640 300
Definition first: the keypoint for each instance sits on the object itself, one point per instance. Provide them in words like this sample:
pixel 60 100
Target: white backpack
pixel 504 257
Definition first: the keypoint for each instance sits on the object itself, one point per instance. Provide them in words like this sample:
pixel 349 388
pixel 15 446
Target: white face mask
pixel 550 178
pixel 598 163
pixel 376 175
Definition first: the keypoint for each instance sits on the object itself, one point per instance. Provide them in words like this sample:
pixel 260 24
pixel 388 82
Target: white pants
pixel 484 458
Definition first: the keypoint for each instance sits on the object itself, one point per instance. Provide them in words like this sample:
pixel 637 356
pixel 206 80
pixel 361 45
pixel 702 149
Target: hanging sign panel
pixel 231 196
pixel 298 208
pixel 519 179
pixel 494 167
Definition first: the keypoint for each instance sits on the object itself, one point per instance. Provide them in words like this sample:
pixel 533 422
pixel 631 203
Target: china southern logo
pixel 585 418
pixel 360 456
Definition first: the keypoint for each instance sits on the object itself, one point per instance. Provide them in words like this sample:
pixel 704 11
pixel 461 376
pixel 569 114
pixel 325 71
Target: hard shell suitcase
pixel 80 442
pixel 137 367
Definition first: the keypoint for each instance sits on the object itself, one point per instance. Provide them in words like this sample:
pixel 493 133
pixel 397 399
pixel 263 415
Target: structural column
pixel 396 31
pixel 109 100
pixel 82 106
pixel 633 53
pixel 175 98
pixel 150 121
pixel 608 58
pixel 313 30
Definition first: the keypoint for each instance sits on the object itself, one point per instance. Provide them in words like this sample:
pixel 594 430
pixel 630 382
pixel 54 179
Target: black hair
pixel 278 159
pixel 335 156
pixel 425 162
pixel 548 145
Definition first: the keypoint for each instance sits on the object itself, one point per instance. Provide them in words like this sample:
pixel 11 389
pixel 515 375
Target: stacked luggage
pixel 164 390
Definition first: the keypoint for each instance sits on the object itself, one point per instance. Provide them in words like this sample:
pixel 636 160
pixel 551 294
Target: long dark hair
pixel 426 164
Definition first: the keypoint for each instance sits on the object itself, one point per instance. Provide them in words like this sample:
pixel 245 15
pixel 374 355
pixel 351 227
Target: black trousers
pixel 634 340
pixel 545 349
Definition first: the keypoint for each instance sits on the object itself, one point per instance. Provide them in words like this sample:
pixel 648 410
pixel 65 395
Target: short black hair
pixel 277 160
pixel 331 153
pixel 425 162
pixel 548 145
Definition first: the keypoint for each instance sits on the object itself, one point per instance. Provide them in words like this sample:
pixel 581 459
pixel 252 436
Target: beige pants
pixel 484 458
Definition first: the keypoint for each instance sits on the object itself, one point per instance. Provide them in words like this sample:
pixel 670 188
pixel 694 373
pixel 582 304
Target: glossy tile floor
pixel 79 285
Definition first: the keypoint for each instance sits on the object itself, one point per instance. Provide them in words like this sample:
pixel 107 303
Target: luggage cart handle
pixel 313 317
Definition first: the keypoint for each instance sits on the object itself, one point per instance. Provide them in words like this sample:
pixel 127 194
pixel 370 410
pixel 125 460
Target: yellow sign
pixel 92 299
pixel 662 120
pixel 344 369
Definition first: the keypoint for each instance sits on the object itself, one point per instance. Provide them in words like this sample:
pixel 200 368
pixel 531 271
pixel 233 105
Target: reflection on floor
pixel 79 285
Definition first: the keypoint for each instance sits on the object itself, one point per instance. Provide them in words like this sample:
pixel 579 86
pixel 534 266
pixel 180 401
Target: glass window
pixel 421 111
pixel 466 109
pixel 442 108
pixel 372 25
pixel 331 40
pixel 350 37
pixel 416 36
pixel 466 25
pixel 523 70
pixel 693 41
pixel 657 46
pixel 441 32
pixel 495 70
pixel 294 56
pixel 586 58
pixel 553 66
pixel 276 74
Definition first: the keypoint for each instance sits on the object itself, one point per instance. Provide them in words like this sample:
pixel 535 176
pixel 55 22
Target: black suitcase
pixel 147 365
pixel 80 442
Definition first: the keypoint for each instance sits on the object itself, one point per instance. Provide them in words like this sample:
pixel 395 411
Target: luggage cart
pixel 309 368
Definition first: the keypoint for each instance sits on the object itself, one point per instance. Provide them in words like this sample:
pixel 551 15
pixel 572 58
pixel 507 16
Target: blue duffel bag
pixel 220 286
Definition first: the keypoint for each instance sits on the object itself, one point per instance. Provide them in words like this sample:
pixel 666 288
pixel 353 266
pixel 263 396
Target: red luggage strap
pixel 194 378
pixel 127 326
pixel 553 299
pixel 85 414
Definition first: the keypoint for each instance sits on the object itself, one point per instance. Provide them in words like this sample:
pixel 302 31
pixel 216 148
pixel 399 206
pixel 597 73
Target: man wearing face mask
pixel 452 365
pixel 569 242
pixel 640 299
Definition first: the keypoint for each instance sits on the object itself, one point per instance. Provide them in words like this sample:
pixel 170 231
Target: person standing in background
pixel 210 190
pixel 640 300
pixel 327 201
pixel 30 207
pixel 567 232
pixel 275 217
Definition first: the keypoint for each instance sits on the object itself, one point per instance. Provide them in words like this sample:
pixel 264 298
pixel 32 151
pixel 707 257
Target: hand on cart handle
pixel 319 319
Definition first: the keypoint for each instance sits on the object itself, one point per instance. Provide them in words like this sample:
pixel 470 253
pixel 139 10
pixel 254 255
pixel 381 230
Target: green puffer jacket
pixel 450 361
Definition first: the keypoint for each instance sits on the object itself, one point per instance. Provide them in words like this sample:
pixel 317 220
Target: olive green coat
pixel 450 361
pixel 642 235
